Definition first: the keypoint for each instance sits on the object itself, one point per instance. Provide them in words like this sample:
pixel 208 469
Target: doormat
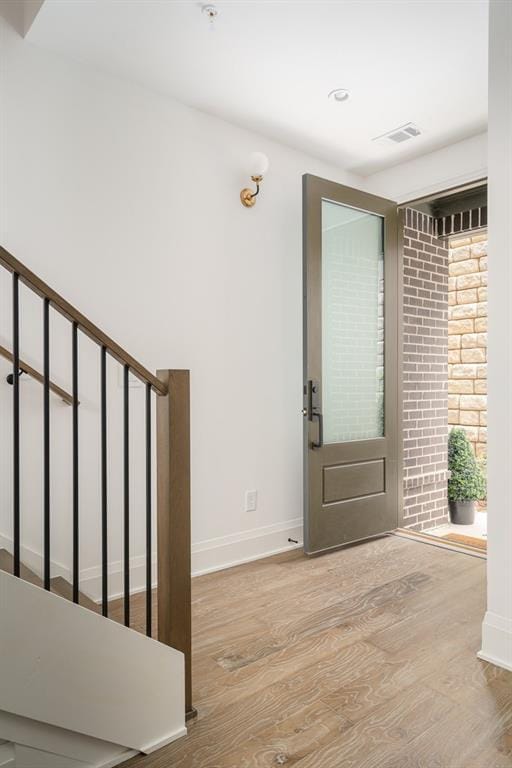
pixel 468 541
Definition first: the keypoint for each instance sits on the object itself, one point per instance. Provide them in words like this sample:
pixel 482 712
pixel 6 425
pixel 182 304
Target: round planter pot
pixel 462 512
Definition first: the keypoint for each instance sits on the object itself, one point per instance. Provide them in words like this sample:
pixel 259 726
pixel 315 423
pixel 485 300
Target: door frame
pixel 394 356
pixel 400 362
pixel 438 193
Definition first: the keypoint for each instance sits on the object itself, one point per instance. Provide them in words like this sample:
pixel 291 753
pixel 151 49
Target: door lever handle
pixel 320 443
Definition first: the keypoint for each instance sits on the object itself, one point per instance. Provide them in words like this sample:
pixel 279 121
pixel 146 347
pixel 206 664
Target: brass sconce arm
pixel 247 196
pixel 257 166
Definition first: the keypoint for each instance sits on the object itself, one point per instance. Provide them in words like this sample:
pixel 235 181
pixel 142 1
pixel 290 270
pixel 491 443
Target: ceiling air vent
pixel 401 134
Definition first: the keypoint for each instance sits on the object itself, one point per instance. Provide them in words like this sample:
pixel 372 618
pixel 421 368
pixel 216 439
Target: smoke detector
pixel 211 12
pixel 400 134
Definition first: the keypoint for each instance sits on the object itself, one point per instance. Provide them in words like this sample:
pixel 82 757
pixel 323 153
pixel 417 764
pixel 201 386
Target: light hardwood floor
pixel 362 658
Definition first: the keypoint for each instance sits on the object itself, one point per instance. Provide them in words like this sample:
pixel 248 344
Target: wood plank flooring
pixel 362 658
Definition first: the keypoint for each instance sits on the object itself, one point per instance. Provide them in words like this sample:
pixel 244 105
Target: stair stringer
pixel 36 758
pixel 65 666
pixel 22 732
pixel 7 755
pixel 28 757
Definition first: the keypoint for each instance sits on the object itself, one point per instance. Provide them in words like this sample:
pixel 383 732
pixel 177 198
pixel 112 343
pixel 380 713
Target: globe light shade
pixel 257 164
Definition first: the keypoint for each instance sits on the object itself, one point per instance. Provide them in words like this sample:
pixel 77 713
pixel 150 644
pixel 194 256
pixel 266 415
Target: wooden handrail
pixel 173 470
pixel 35 374
pixel 67 310
pixel 173 521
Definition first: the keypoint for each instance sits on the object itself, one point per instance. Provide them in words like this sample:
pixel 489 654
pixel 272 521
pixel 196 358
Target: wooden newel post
pixel 173 511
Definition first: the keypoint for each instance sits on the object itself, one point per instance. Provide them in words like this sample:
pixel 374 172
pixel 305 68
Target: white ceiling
pixel 269 64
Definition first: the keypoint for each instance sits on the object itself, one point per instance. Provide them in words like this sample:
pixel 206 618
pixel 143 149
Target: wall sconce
pixel 257 165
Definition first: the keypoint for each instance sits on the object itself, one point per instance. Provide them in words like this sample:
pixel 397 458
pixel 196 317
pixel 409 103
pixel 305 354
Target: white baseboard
pixel 497 641
pixel 235 549
pixel 174 736
pixel 207 557
pixel 90 578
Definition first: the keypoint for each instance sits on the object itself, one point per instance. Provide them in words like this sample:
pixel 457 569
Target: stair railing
pixel 172 390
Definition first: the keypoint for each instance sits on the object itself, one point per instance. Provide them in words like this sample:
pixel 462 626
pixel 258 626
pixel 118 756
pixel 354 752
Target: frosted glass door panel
pixel 352 324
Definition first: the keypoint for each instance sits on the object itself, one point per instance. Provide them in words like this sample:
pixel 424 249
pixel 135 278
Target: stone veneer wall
pixel 467 340
pixel 425 373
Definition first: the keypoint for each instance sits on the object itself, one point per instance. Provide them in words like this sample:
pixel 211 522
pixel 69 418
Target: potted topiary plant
pixel 466 483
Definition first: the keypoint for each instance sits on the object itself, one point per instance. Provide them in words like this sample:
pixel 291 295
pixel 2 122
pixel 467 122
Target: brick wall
pixel 425 373
pixel 467 340
pixel 464 221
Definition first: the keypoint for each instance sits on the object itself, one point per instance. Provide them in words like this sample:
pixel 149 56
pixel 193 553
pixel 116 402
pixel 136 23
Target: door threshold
pixel 436 541
pixel 346 545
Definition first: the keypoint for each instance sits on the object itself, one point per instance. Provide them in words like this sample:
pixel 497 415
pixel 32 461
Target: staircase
pixel 84 683
pixel 58 585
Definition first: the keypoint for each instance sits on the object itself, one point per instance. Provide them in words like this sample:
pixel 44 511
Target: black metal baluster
pixel 46 443
pixel 148 514
pixel 126 475
pixel 16 421
pixel 104 467
pixel 76 536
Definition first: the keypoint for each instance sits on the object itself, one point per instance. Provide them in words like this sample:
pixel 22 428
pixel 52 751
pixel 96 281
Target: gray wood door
pixel 351 450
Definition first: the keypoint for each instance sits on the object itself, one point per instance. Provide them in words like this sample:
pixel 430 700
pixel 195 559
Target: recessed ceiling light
pixel 339 94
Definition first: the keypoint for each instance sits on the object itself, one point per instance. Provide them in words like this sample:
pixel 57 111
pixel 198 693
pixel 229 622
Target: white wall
pixel 497 626
pixel 128 204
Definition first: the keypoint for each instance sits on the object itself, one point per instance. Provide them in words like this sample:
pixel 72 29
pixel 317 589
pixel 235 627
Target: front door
pixel 350 365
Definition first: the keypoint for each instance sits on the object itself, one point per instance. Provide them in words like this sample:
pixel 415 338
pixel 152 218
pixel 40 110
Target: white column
pixel 497 625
